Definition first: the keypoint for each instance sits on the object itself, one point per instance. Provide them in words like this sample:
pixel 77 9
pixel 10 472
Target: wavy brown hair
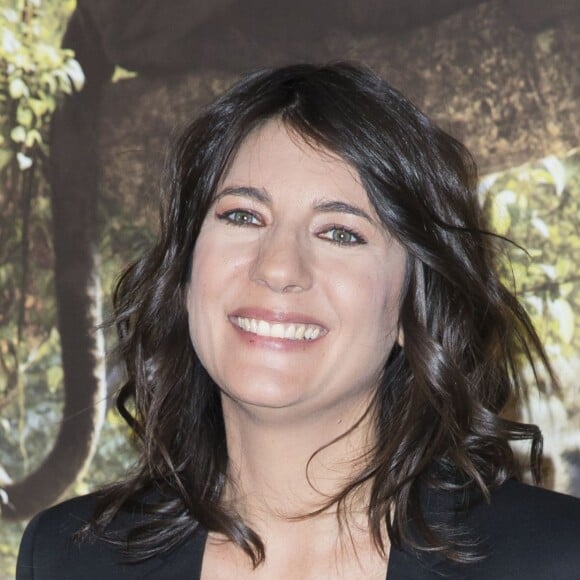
pixel 437 410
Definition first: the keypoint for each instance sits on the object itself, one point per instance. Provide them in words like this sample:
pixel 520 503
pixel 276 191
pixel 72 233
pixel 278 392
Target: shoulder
pixel 515 494
pixel 49 550
pixel 528 532
pixel 537 514
pixel 48 538
pixel 64 517
pixel 522 533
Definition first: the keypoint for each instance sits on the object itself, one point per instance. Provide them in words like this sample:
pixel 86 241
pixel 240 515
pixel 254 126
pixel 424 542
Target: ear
pixel 401 338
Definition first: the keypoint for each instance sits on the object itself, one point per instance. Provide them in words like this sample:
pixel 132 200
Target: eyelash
pixel 228 218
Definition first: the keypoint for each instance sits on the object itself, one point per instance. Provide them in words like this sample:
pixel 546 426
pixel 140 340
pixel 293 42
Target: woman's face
pixel 294 294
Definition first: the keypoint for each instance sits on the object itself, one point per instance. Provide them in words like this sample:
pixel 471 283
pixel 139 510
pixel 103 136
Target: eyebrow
pixel 324 206
pixel 342 207
pixel 260 195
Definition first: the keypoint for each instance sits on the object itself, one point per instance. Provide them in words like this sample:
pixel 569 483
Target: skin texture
pixel 272 247
pixel 284 261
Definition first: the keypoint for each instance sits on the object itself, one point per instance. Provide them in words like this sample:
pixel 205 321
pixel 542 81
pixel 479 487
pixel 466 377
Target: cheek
pixel 197 285
pixel 375 307
pixel 216 274
pixel 202 311
pixel 218 259
pixel 201 282
pixel 367 294
pixel 207 270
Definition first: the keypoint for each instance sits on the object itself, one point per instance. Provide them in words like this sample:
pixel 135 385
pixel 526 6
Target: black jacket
pixel 528 534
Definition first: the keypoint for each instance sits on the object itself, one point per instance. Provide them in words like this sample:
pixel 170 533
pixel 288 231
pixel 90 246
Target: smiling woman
pixel 318 351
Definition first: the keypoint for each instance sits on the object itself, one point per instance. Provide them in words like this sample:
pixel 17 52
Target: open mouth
pixel 289 331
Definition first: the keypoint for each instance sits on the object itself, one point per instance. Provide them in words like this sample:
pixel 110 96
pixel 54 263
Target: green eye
pixel 343 237
pixel 240 217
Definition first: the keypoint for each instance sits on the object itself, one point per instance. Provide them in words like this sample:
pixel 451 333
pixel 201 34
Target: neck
pixel 281 469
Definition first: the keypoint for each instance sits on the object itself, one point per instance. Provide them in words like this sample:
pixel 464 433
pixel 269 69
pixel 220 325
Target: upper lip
pixel 282 316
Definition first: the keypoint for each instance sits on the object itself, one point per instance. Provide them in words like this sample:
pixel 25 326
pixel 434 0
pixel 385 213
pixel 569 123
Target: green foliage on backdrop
pixel 34 75
pixel 538 206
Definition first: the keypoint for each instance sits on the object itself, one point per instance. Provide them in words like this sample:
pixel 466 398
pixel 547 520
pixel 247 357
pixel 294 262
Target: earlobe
pixel 401 338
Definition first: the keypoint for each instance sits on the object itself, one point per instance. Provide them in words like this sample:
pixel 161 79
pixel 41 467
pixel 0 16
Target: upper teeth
pixel 291 331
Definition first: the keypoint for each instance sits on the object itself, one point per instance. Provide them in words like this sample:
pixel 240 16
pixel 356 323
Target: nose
pixel 282 262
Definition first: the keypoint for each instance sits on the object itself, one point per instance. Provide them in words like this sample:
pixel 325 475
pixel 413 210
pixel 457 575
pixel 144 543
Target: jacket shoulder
pixel 528 533
pixel 48 538
pixel 49 550
pixel 537 514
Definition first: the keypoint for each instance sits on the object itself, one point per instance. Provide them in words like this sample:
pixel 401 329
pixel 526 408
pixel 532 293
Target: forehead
pixel 275 156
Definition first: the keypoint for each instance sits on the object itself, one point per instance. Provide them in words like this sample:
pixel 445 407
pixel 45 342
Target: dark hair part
pixel 439 403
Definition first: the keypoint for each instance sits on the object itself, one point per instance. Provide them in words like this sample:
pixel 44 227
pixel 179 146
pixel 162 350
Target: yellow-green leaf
pixel 17 88
pixel 33 137
pixel 562 312
pixel 24 116
pixel 541 227
pixel 18 134
pixel 47 79
pixel 557 171
pixel 64 82
pixel 39 106
pixel 500 215
pixel 75 73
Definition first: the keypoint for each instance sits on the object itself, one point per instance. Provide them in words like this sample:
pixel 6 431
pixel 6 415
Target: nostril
pixel 281 266
pixel 291 288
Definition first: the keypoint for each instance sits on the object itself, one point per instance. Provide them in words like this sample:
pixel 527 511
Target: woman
pixel 318 349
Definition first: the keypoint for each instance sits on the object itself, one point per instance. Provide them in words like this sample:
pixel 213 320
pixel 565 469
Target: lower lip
pixel 269 342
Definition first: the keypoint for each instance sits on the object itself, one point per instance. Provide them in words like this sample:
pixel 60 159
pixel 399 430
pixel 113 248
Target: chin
pixel 263 393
